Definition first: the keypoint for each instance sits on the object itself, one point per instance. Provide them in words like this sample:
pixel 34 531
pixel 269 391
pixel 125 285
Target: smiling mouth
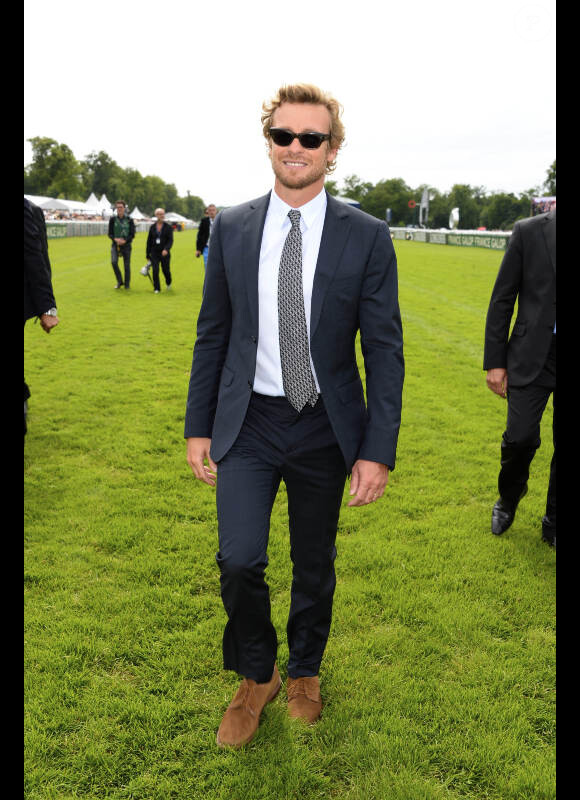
pixel 294 163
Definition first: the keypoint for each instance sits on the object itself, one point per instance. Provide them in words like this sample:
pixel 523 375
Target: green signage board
pixel 493 241
pixel 477 240
pixel 55 231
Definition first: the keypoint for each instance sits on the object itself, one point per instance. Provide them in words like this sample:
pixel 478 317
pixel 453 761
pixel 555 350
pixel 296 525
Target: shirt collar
pixel 278 209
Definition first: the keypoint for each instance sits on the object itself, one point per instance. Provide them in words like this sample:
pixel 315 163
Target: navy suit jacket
pixel 355 289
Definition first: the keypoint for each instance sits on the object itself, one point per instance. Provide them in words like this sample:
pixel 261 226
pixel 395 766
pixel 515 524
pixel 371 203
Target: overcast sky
pixel 435 93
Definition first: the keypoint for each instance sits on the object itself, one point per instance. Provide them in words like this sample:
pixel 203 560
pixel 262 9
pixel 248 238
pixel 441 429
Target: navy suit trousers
pixel 276 443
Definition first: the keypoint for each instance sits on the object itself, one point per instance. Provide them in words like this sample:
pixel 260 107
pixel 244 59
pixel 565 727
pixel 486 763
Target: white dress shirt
pixel 268 378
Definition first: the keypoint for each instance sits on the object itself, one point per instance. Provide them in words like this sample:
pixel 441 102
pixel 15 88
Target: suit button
pixel 249 384
pixel 253 338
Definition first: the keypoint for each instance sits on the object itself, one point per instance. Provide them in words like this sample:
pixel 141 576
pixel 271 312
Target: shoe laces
pixel 245 697
pixel 304 687
pixel 296 688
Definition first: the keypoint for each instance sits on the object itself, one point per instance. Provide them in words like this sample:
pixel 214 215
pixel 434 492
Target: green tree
pixel 171 198
pixel 550 183
pixel 54 171
pixel 394 194
pixel 101 171
pixel 133 192
pixel 331 187
pixel 503 210
pixel 470 201
pixel 356 189
pixel 439 209
pixel 192 206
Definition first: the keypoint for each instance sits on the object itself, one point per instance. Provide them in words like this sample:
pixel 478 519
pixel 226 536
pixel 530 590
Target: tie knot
pixel 294 215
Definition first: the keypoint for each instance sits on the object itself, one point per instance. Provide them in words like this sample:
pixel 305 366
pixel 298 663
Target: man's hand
pixel 197 454
pixel 48 321
pixel 367 482
pixel 497 380
pixel 164 252
pixel 197 253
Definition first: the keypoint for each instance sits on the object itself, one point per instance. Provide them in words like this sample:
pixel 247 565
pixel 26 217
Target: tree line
pixel 477 206
pixel 55 172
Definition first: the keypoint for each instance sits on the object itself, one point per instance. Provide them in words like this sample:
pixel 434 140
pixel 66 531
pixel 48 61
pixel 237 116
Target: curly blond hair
pixel 307 93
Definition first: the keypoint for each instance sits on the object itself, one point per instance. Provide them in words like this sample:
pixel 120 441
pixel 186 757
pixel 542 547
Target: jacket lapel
pixel 251 243
pixel 334 235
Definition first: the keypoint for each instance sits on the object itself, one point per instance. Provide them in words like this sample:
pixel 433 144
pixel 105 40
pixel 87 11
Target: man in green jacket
pixel 121 233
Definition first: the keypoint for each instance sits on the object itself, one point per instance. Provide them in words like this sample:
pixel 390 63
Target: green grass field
pixel 439 676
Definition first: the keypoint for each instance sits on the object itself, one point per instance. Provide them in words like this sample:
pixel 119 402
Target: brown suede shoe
pixel 242 717
pixel 304 700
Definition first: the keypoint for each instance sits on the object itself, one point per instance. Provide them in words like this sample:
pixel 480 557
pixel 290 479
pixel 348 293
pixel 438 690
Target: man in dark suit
pixel 204 233
pixel 275 394
pixel 39 299
pixel 522 367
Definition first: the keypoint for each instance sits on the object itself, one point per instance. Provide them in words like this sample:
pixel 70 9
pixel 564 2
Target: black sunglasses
pixel 310 141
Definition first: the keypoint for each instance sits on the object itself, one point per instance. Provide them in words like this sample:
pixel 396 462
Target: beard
pixel 312 175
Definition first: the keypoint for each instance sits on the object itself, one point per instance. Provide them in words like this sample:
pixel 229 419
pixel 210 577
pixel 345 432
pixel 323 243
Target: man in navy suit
pixel 275 394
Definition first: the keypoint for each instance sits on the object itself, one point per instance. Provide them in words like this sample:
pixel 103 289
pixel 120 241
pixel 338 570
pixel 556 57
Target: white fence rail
pixel 58 230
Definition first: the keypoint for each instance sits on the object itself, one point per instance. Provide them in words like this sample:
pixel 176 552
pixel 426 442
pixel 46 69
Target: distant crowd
pixel 68 215
pixel 541 205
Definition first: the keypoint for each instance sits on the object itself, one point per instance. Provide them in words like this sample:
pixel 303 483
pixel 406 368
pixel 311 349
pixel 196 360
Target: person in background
pixel 275 394
pixel 159 243
pixel 121 233
pixel 204 233
pixel 522 367
pixel 39 299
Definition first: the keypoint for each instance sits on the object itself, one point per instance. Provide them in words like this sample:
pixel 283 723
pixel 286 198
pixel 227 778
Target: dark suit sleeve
pixel 501 305
pixel 213 334
pixel 202 236
pixel 110 234
pixel 381 333
pixel 38 292
pixel 169 238
pixel 131 231
pixel 149 244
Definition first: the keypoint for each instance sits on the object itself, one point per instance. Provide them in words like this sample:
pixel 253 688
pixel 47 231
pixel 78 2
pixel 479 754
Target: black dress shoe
pixel 503 514
pixel 549 531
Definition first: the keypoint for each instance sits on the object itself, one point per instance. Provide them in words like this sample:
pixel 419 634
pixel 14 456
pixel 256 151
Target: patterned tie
pixel 299 385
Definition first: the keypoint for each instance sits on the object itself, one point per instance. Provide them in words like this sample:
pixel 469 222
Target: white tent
pixel 92 202
pixel 136 214
pixel 53 204
pixel 72 206
pixel 173 216
pixel 78 207
pixel 105 206
pixel 37 199
pixel 92 206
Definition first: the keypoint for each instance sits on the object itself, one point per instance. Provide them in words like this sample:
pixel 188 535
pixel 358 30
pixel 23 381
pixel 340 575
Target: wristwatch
pixel 51 312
